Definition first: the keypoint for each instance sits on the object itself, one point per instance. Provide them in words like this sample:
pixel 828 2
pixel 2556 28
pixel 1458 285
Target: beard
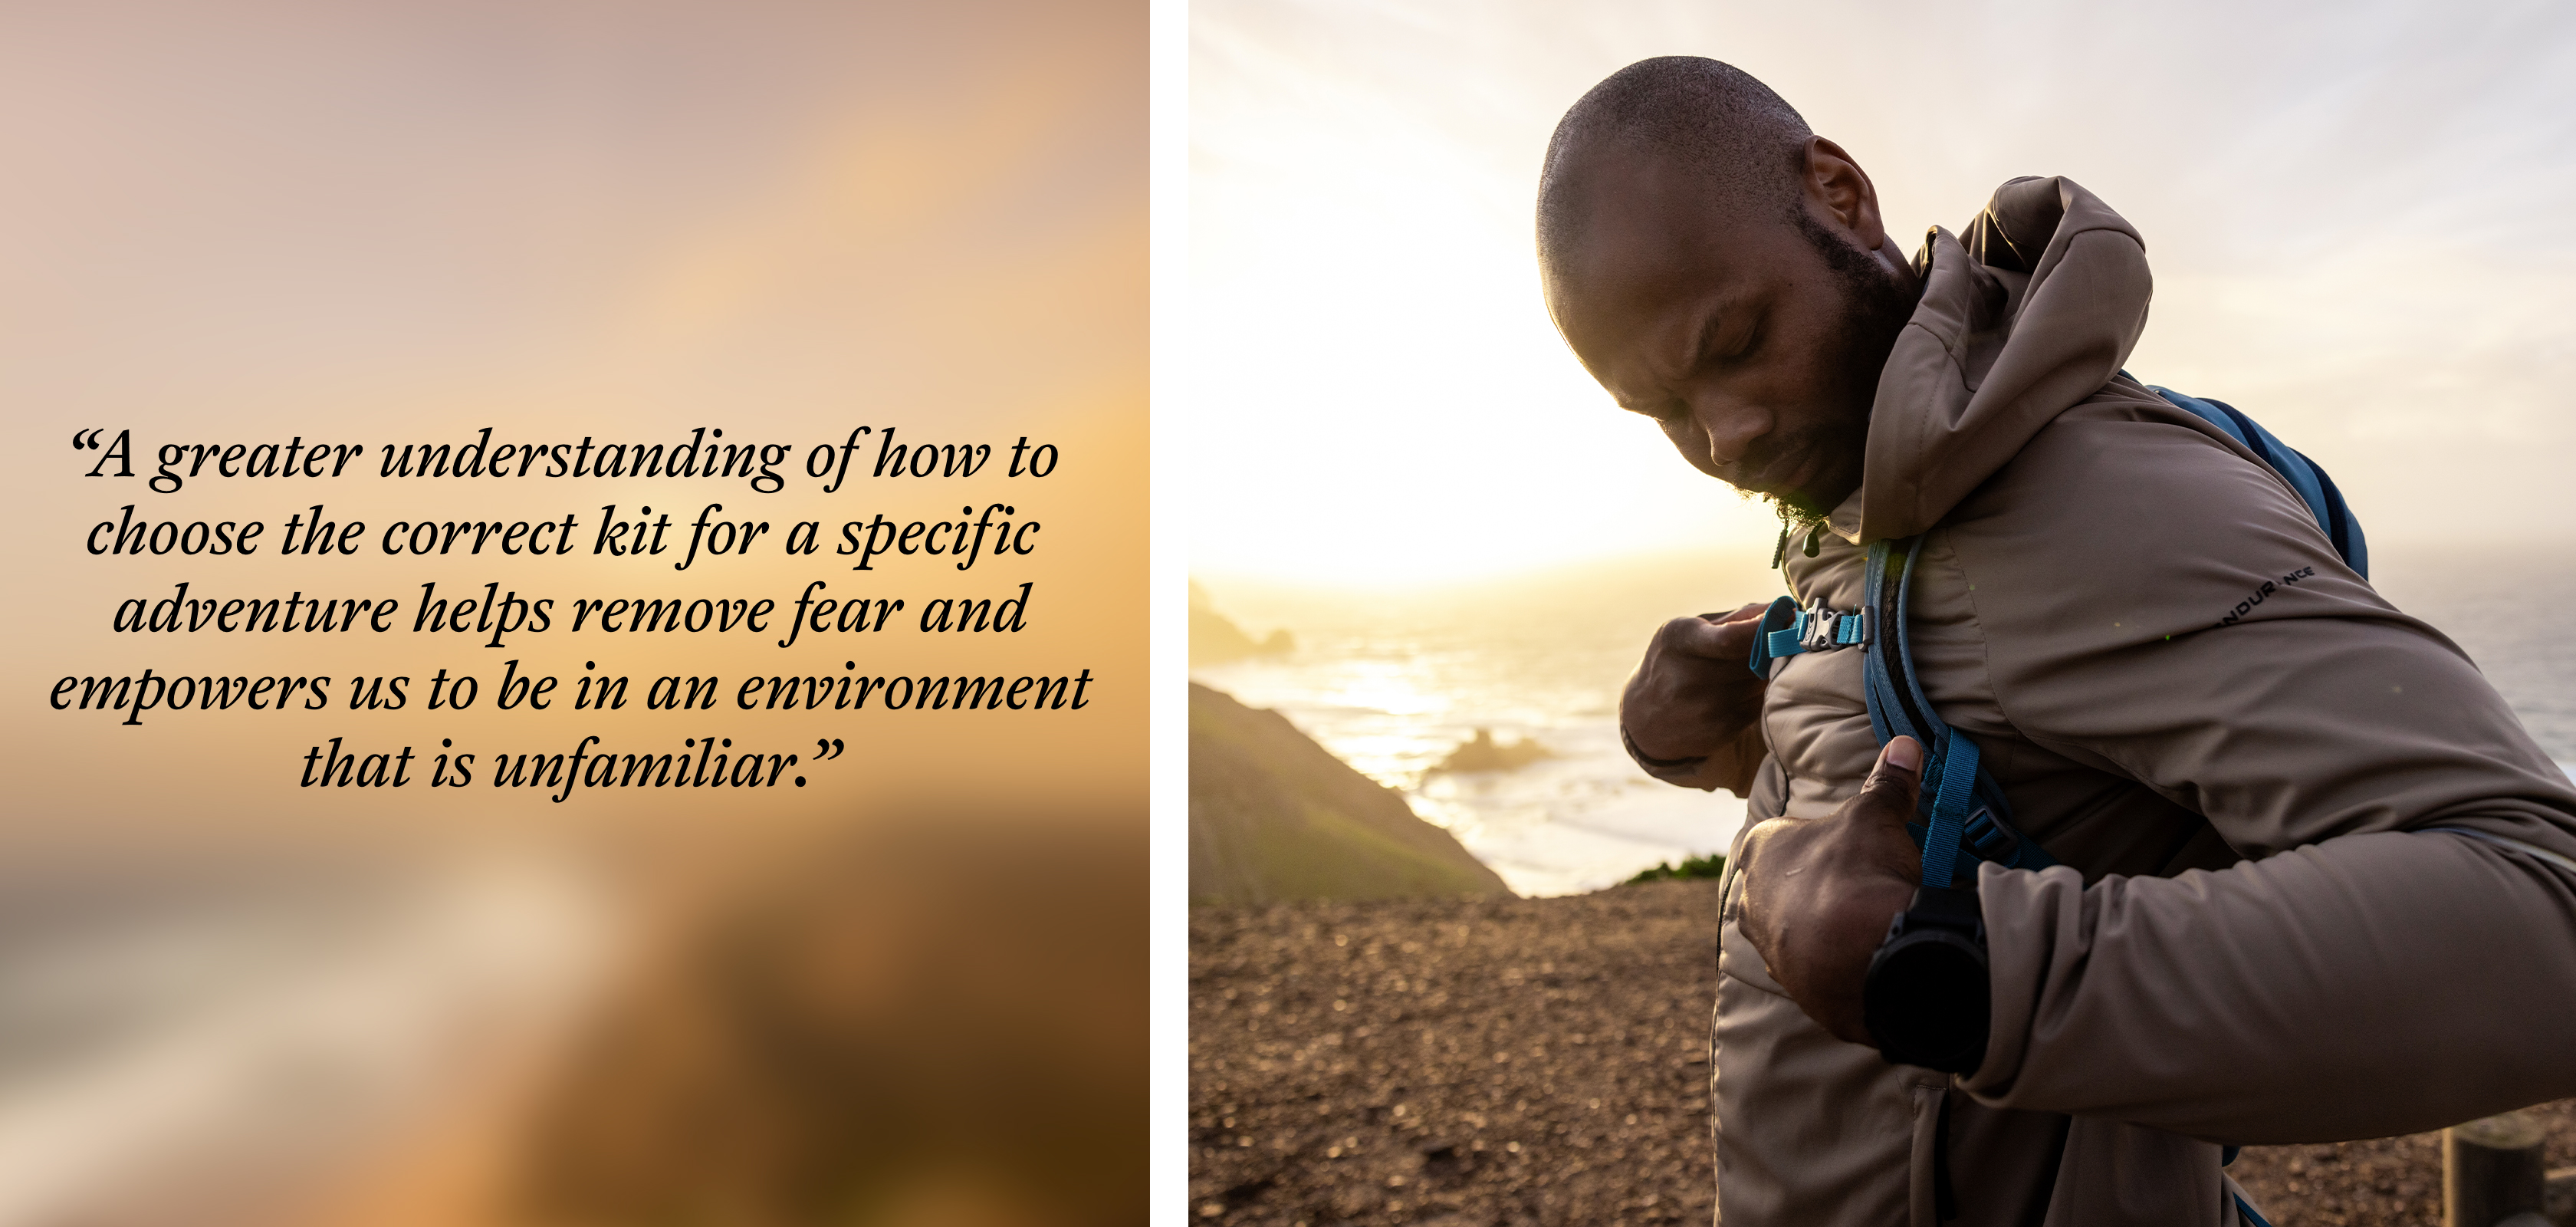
pixel 1875 309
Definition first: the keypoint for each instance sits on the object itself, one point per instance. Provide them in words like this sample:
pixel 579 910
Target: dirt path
pixel 1538 1061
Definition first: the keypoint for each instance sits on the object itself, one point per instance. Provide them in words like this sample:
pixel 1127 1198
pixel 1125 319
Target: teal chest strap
pixel 1962 809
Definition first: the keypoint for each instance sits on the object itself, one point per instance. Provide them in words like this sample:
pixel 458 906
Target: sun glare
pixel 1377 394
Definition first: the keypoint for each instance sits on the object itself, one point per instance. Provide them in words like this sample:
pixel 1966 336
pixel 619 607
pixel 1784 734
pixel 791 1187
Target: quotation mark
pixel 87 440
pixel 824 751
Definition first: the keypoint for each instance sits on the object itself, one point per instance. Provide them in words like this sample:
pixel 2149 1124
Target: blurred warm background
pixel 912 991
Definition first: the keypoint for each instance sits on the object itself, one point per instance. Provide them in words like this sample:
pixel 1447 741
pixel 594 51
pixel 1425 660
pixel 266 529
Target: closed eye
pixel 1712 356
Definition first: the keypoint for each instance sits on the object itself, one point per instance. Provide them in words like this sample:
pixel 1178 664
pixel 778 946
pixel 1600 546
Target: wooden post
pixel 2491 1170
pixel 2561 1197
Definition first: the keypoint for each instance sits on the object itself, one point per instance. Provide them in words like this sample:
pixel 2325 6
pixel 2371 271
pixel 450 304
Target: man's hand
pixel 1819 893
pixel 1692 696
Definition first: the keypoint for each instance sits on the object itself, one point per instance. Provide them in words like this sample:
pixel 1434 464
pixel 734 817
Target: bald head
pixel 1710 121
pixel 1722 269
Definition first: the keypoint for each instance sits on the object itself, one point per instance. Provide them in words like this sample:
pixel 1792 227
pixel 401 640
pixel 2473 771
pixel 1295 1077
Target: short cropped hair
pixel 1713 118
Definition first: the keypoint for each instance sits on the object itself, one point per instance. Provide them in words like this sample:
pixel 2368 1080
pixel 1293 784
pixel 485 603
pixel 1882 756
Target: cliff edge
pixel 1273 817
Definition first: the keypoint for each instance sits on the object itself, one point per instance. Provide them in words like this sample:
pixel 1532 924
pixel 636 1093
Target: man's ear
pixel 1835 183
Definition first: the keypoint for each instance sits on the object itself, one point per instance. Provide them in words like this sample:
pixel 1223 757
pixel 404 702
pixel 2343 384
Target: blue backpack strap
pixel 2306 476
pixel 1963 808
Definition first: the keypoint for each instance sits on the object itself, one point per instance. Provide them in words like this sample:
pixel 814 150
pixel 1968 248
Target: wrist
pixel 1733 764
pixel 1660 768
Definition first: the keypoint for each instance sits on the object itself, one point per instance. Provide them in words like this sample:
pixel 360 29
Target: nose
pixel 1729 425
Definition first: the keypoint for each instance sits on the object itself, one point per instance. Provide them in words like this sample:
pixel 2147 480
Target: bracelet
pixel 1655 765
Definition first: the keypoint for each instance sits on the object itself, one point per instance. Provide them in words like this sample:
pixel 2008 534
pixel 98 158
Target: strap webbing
pixel 1785 628
pixel 2307 478
pixel 1952 793
pixel 1962 806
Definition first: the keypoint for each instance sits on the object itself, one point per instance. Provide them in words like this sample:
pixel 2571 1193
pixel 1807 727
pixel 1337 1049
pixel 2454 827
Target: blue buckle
pixel 1815 629
pixel 1822 630
pixel 1988 839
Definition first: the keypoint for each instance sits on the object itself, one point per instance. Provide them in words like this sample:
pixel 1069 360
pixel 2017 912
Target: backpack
pixel 1961 807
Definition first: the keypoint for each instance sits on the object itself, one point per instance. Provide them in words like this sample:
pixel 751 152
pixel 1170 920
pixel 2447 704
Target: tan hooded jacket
pixel 2254 935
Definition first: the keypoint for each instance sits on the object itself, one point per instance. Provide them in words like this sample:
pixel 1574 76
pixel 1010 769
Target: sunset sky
pixel 2356 215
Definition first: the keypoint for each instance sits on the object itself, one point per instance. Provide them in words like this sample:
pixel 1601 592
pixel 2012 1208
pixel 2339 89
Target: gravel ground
pixel 1539 1061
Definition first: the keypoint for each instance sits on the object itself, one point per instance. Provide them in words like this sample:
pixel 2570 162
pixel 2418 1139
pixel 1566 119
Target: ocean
pixel 1392 681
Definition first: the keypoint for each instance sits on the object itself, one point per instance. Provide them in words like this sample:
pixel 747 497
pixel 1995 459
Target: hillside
pixel 1273 817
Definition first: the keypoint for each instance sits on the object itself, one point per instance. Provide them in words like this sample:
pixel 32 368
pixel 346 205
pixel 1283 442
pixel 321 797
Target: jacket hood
pixel 2031 312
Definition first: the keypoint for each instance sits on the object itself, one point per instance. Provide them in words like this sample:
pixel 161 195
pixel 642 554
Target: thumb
pixel 1897 780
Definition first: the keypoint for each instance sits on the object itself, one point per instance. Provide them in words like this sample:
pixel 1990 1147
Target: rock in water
pixel 1486 754
pixel 1273 816
pixel 1216 640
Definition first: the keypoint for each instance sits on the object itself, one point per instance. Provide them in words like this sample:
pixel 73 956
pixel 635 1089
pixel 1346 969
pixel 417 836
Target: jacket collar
pixel 2031 313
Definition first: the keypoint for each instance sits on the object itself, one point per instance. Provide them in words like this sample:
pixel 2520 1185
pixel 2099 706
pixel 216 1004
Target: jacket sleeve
pixel 2398 953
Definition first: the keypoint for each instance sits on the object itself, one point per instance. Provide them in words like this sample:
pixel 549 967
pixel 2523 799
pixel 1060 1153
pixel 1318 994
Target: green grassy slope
pixel 1273 816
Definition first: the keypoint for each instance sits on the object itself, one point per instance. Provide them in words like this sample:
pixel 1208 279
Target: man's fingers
pixel 1714 636
pixel 1734 640
pixel 1700 637
pixel 1897 780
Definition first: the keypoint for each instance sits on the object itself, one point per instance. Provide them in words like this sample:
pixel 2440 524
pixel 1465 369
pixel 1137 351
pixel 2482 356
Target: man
pixel 2314 881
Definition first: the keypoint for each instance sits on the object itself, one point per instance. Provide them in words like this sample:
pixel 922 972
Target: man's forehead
pixel 1626 283
pixel 1649 224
